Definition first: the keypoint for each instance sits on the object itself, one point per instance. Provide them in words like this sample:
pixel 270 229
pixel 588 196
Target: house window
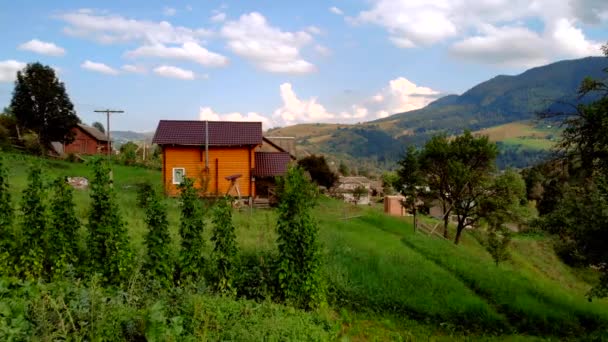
pixel 178 175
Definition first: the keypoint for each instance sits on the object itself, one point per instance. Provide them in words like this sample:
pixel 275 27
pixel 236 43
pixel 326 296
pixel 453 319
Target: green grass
pixel 384 281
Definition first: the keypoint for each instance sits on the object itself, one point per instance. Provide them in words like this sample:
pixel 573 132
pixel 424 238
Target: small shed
pixel 393 206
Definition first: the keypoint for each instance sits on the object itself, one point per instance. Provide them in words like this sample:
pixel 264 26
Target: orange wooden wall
pixel 229 161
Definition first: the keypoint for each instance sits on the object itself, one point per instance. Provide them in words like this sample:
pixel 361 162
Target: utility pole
pixel 108 112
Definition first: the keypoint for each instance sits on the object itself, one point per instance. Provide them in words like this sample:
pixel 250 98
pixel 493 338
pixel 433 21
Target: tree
pixel 343 169
pixel 128 153
pixel 62 234
pixel 299 266
pixel 434 164
pixel 108 243
pixel 99 126
pixel 40 103
pixel 579 216
pixel 411 180
pixel 33 226
pixel 224 250
pixel 191 260
pixel 319 170
pixel 470 163
pixel 359 192
pixel 504 202
pixel 158 264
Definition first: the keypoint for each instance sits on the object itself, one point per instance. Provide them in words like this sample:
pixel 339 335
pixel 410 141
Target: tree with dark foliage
pixel 411 181
pixel 99 126
pixel 579 216
pixel 40 103
pixel 319 170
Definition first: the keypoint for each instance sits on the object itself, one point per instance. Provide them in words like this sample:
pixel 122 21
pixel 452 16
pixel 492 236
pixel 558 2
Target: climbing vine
pixel 298 275
pixel 225 249
pixel 33 226
pixel 158 263
pixel 191 260
pixel 108 245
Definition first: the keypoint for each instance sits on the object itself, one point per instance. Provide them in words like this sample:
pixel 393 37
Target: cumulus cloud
pixel 400 95
pixel 267 47
pixel 43 48
pixel 8 70
pixel 189 51
pixel 174 72
pixel 110 28
pixel 322 50
pixel 336 10
pixel 137 69
pixel 218 17
pixel 206 113
pixel 99 67
pixel 491 31
pixel 295 110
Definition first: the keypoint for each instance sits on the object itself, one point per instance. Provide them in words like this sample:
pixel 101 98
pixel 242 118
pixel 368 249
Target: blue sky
pixel 285 62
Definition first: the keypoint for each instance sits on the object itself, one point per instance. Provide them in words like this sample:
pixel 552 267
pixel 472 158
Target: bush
pixel 33 226
pixel 191 259
pixel 32 144
pixel 224 250
pixel 159 261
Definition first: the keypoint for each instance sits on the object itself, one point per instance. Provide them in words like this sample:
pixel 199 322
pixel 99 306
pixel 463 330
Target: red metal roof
pixel 269 164
pixel 221 133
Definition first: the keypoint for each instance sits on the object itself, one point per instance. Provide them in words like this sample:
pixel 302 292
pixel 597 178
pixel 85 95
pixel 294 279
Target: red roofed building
pixel 87 140
pixel 216 153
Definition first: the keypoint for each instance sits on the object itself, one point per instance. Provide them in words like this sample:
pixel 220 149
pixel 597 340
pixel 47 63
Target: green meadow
pixel 384 281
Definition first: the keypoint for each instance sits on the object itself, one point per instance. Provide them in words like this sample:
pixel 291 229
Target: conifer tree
pixel 33 226
pixel 158 264
pixel 6 221
pixel 224 250
pixel 62 232
pixel 299 253
pixel 108 243
pixel 191 260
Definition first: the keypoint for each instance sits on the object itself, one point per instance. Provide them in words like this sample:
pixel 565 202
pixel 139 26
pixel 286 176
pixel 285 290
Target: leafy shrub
pixel 5 138
pixel 32 144
pixel 144 192
pixel 255 276
pixel 6 220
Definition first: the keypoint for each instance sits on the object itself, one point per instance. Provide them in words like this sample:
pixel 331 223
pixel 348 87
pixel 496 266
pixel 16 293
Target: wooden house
pixel 87 140
pixel 218 155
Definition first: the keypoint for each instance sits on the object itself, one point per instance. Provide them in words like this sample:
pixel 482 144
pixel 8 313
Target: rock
pixel 79 183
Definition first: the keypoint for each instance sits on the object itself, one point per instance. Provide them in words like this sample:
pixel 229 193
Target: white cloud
pixel 109 28
pixel 267 47
pixel 189 51
pixel 8 70
pixel 206 113
pixel 174 72
pixel 218 17
pixel 99 67
pixel 169 11
pixel 400 95
pixel 137 69
pixel 43 48
pixel 295 110
pixel 513 46
pixel 491 31
pixel 336 10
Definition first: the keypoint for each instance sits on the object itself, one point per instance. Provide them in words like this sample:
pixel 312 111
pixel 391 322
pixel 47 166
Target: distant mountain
pixel 500 100
pixel 122 137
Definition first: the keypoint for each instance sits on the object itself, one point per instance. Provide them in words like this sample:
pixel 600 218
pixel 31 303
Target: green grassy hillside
pixel 384 281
